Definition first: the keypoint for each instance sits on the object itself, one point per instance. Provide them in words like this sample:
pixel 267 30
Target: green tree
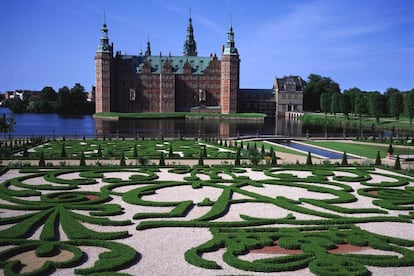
pixel 7 123
pixel 360 105
pixel 390 149
pixel 375 105
pixel 99 153
pixel 122 160
pixel 397 165
pixel 237 160
pixel 396 105
pixel 42 162
pixel 170 151
pixel 325 103
pixel 201 159
pixel 204 151
pixel 48 94
pixel 135 153
pixel 346 106
pixel 162 159
pixel 314 88
pixel 336 99
pixel 82 161
pixel 409 105
pixel 255 156
pixel 274 158
pixel 378 159
pixel 63 151
pixel 344 159
pixel 309 159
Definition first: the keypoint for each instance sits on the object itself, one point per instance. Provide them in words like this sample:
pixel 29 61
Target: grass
pixel 365 150
pixel 385 122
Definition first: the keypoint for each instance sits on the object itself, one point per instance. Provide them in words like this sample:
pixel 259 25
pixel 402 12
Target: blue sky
pixel 367 44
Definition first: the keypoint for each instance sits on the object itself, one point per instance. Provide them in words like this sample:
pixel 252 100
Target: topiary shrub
pixel 309 159
pixel 378 159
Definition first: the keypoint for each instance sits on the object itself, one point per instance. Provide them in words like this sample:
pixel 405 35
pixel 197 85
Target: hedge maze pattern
pixel 50 212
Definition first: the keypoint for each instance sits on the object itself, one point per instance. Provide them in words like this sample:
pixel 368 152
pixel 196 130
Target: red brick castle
pixel 166 83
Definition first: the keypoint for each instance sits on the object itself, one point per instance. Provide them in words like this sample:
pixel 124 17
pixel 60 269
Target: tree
pixel 274 158
pixel 344 159
pixel 201 159
pixel 135 153
pixel 255 156
pixel 162 160
pixel 409 105
pixel 204 151
pixel 42 162
pixel 122 160
pixel 7 123
pixel 48 94
pixel 390 149
pixel 378 159
pixel 346 106
pixel 170 152
pixel 99 153
pixel 336 98
pixel 314 88
pixel 396 105
pixel 63 151
pixel 82 161
pixel 237 160
pixel 375 105
pixel 73 101
pixel 325 103
pixel 309 159
pixel 360 104
pixel 397 164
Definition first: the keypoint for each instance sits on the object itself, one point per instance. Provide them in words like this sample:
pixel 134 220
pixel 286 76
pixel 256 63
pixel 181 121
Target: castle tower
pixel 230 72
pixel 190 46
pixel 103 60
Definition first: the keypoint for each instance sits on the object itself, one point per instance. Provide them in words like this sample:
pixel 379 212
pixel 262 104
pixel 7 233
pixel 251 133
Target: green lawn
pixel 365 150
pixel 385 122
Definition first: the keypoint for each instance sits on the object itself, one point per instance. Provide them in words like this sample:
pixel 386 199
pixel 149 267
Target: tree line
pixel 65 101
pixel 322 94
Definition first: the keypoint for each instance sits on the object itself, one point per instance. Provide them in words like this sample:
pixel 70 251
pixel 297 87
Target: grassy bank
pixel 389 123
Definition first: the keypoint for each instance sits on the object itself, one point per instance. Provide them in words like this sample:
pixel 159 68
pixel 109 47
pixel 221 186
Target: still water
pixel 53 124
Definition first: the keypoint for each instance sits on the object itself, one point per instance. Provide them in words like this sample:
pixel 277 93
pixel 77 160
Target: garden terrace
pixel 219 219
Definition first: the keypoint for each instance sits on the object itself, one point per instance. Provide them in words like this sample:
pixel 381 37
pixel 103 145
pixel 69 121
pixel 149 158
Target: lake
pixel 28 124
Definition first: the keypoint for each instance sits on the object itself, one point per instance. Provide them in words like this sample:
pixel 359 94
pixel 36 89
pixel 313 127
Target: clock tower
pixel 103 59
pixel 230 72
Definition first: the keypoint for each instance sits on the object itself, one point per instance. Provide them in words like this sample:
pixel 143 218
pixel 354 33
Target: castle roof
pixel 136 63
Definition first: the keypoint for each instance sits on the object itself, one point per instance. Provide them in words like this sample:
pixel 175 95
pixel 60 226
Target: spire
pixel 104 45
pixel 230 48
pixel 190 46
pixel 148 50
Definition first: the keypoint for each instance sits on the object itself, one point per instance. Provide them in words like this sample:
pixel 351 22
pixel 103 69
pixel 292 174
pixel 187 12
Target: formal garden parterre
pixel 220 219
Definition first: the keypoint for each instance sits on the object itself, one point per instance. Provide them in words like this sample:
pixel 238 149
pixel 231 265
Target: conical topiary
pixel 82 161
pixel 42 162
pixel 309 159
pixel 344 159
pixel 135 154
pixel 397 165
pixel 99 153
pixel 390 149
pixel 378 159
pixel 122 160
pixel 63 151
pixel 274 158
pixel 162 159
pixel 201 159
pixel 237 160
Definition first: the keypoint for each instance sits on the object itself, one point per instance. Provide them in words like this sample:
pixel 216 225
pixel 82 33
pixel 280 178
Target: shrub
pixel 42 162
pixel 397 165
pixel 344 159
pixel 162 160
pixel 378 159
pixel 309 159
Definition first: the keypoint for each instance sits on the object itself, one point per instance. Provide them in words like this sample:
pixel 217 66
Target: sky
pixel 367 44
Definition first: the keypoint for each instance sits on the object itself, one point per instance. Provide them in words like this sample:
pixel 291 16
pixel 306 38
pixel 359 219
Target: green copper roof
pixel 198 64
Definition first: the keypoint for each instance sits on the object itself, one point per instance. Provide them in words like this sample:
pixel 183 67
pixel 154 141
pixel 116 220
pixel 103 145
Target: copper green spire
pixel 230 48
pixel 190 46
pixel 104 45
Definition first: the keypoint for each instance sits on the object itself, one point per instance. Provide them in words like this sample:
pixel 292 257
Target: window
pixel 132 94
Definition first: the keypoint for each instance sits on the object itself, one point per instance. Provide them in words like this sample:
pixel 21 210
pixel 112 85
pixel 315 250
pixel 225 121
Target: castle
pixel 191 83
